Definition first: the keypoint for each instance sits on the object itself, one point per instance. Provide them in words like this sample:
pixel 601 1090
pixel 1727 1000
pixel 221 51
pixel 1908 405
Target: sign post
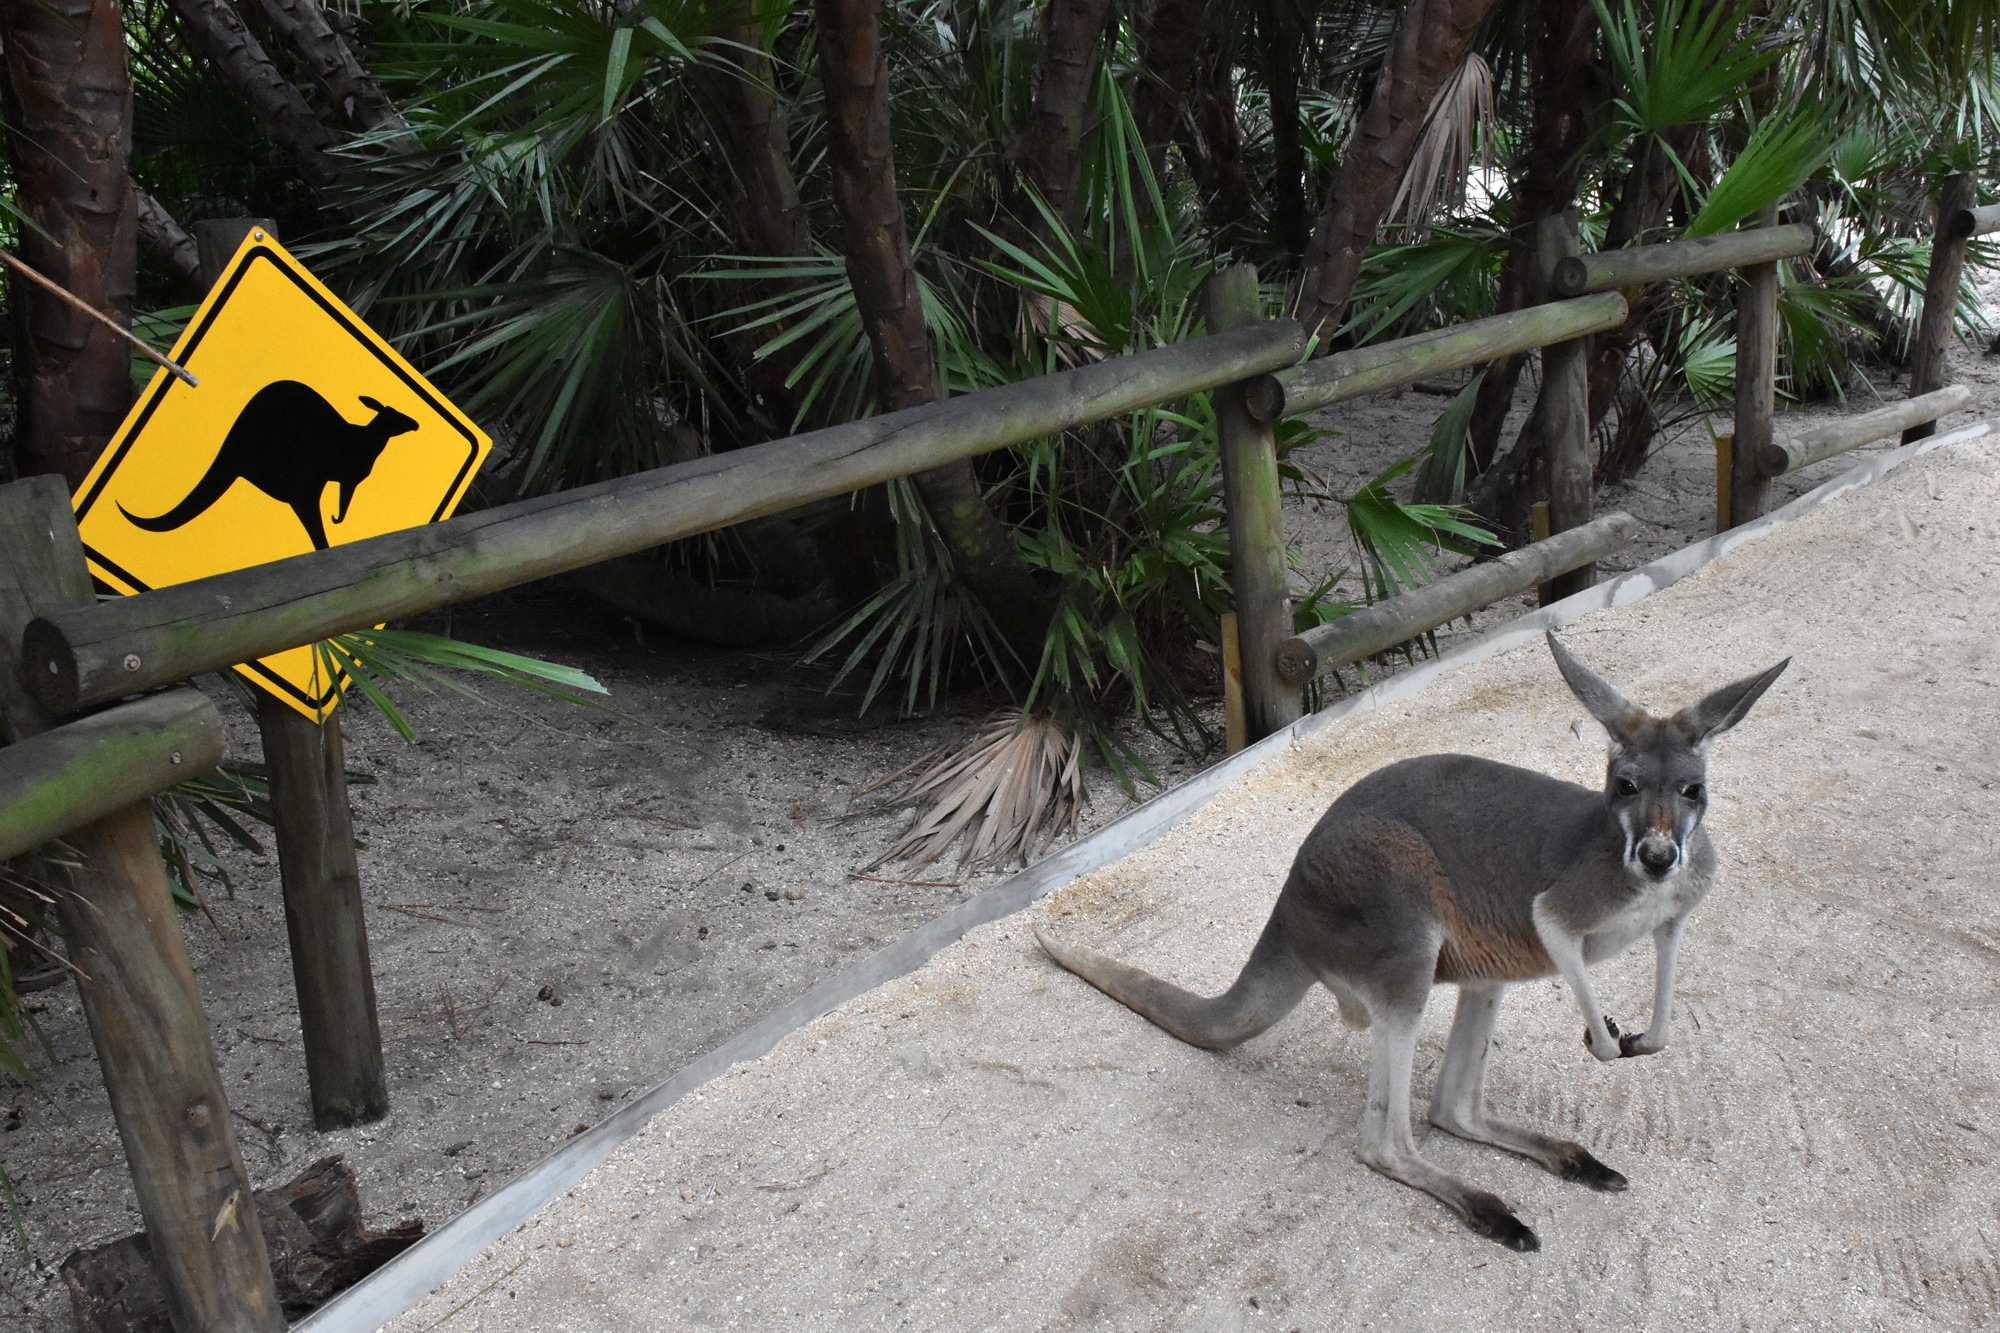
pixel 265 459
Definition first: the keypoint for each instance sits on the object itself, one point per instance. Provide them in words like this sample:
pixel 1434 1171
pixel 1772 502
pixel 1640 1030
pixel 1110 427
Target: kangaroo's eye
pixel 1624 786
pixel 1694 791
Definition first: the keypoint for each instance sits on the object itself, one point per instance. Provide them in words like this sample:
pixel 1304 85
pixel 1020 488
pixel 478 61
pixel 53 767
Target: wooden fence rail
pixel 1790 450
pixel 1398 619
pixel 1966 223
pixel 61 780
pixel 1639 265
pixel 1391 365
pixel 92 655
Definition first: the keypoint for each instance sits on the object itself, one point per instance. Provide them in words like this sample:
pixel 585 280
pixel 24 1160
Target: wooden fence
pixel 87 780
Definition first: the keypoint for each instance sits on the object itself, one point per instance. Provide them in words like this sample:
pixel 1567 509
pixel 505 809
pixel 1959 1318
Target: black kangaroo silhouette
pixel 290 443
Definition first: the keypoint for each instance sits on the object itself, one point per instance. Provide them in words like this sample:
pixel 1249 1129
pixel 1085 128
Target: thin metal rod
pixel 64 294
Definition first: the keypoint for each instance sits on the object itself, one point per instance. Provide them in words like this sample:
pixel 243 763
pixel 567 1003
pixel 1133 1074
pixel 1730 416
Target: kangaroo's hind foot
pixel 1388 1146
pixel 1459 1105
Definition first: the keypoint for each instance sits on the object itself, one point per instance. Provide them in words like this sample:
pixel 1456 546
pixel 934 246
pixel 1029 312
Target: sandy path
pixel 988 1143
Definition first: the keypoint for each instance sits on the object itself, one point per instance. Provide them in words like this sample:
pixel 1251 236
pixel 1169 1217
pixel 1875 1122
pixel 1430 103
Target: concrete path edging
pixel 406 1280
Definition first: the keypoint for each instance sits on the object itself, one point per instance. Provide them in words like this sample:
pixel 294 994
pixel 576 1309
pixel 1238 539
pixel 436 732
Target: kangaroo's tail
pixel 1269 987
pixel 206 492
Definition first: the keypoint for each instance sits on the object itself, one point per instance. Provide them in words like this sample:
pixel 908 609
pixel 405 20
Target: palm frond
pixel 1009 792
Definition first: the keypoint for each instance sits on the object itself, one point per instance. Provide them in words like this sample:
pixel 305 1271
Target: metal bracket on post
pixel 1725 481
pixel 1927 359
pixel 1566 414
pixel 314 830
pixel 1255 520
pixel 137 988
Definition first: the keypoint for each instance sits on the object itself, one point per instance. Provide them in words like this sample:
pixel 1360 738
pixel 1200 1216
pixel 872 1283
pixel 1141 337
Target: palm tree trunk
pixel 168 242
pixel 757 132
pixel 854 74
pixel 1281 42
pixel 1228 198
pixel 69 120
pixel 1505 491
pixel 1649 190
pixel 1171 37
pixel 1569 87
pixel 1427 44
pixel 327 58
pixel 218 33
pixel 1073 33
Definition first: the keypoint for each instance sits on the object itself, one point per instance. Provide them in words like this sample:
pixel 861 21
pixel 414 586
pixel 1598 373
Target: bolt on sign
pixel 307 431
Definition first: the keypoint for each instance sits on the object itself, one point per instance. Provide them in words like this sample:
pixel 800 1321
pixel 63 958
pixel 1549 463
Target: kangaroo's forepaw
pixel 1614 1050
pixel 1577 1164
pixel 1488 1215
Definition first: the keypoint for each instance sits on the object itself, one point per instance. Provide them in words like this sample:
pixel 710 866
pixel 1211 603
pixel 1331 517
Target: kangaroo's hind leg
pixel 1389 1146
pixel 1459 1104
pixel 1395 995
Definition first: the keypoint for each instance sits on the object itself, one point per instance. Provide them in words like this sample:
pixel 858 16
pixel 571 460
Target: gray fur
pixel 1448 868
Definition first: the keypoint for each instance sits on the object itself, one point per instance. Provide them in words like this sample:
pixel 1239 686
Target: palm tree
pixel 69 121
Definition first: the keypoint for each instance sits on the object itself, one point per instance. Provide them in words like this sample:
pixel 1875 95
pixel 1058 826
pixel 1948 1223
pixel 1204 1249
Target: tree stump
pixel 312 1228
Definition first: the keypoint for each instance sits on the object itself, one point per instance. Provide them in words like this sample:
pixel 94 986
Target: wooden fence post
pixel 1927 359
pixel 1566 415
pixel 1256 522
pixel 1756 387
pixel 314 830
pixel 138 988
pixel 324 920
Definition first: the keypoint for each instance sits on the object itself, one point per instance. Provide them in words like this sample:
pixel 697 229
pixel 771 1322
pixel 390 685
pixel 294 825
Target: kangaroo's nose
pixel 1657 857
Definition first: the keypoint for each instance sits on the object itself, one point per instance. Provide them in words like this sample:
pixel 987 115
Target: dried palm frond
pixel 1010 790
pixel 1459 123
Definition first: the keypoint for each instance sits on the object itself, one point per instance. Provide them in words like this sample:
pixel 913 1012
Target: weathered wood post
pixel 1256 523
pixel 137 987
pixel 1956 197
pixel 314 830
pixel 1756 386
pixel 1565 415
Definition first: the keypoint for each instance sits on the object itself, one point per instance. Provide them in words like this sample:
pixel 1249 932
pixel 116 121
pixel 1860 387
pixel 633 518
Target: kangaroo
pixel 290 443
pixel 1448 868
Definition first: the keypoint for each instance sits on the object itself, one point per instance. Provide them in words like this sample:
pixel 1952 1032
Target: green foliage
pixel 1783 153
pixel 193 819
pixel 1685 66
pixel 1442 470
pixel 374 663
pixel 1445 278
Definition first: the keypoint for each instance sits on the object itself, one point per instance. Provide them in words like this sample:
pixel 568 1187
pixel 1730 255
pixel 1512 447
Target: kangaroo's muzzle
pixel 1658 854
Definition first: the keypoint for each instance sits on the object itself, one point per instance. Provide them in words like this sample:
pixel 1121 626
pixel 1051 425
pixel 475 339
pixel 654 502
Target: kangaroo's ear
pixel 1605 701
pixel 1709 718
pixel 366 401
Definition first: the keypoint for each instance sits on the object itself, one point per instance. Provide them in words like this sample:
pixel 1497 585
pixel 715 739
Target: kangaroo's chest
pixel 1651 907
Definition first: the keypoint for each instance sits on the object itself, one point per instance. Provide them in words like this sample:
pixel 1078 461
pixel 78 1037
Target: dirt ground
pixel 566 904
pixel 988 1143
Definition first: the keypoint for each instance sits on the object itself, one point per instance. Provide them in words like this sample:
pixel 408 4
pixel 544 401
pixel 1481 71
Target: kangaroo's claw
pixel 1492 1218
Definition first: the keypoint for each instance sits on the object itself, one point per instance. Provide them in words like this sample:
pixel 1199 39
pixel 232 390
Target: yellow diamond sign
pixel 307 431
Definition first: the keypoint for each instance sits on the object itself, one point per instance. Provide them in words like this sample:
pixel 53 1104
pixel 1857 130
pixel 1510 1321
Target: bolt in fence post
pixel 1756 384
pixel 1255 520
pixel 1566 415
pixel 1927 358
pixel 314 830
pixel 137 989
